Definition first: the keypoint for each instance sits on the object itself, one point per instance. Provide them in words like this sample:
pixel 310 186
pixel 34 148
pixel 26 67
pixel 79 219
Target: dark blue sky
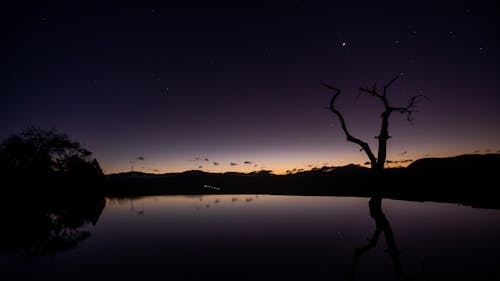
pixel 242 82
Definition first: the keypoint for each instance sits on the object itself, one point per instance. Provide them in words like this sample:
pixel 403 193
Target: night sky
pixel 242 83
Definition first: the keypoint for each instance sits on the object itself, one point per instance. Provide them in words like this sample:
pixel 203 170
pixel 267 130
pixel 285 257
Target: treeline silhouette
pixel 466 179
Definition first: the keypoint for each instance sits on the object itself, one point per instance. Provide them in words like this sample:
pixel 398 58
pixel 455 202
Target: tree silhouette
pixel 377 163
pixel 38 154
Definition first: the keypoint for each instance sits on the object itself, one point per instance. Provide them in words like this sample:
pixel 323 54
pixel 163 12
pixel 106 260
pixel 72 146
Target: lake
pixel 261 237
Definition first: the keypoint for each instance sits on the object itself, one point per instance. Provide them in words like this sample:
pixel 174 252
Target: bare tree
pixel 377 163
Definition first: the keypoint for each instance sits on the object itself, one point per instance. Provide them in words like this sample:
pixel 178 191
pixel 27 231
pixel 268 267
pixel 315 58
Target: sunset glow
pixel 236 84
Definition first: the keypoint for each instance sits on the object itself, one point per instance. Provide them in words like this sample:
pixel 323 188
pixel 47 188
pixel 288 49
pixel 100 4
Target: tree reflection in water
pixel 382 226
pixel 47 226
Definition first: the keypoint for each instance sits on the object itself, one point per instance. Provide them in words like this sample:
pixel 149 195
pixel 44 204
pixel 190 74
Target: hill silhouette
pixel 465 179
pixel 468 164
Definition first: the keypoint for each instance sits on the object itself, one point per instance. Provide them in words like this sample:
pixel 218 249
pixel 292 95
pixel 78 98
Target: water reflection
pixel 45 228
pixel 382 227
pixel 266 238
pixel 132 208
pixel 223 201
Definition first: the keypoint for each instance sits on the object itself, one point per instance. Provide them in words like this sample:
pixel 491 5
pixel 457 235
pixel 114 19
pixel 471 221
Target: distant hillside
pixel 475 164
pixel 316 181
pixel 466 179
pixel 469 164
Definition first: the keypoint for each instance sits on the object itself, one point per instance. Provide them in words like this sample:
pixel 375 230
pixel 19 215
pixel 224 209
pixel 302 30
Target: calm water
pixel 263 237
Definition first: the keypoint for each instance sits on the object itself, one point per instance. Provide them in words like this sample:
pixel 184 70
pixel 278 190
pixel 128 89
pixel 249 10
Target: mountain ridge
pixel 468 179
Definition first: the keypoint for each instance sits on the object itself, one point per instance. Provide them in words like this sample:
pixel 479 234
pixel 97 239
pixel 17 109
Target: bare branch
pixel 372 91
pixel 411 107
pixel 389 84
pixel 337 92
pixel 364 146
pixel 330 87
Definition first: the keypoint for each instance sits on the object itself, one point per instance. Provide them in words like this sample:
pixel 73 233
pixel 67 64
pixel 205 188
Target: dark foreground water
pixel 263 237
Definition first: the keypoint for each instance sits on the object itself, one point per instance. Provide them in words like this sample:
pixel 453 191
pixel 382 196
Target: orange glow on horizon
pixel 288 168
pixel 278 167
